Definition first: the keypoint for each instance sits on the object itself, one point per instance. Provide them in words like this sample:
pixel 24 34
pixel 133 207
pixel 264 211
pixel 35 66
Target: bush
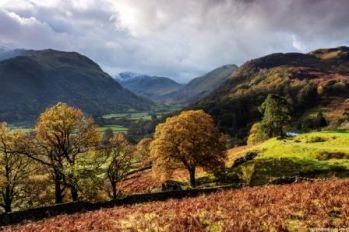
pixel 249 156
pixel 331 155
pixel 315 139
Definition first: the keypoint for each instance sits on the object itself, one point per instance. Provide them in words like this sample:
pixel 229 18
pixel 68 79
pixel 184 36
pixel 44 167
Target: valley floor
pixel 295 207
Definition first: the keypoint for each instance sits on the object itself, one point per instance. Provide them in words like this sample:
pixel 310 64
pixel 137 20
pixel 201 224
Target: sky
pixel 181 39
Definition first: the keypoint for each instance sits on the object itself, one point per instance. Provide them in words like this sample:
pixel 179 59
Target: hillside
pixel 296 207
pixel 308 155
pixel 34 80
pixel 202 86
pixel 151 87
pixel 313 82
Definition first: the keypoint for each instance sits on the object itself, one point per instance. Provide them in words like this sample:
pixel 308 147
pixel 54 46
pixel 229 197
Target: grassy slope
pixel 277 158
pixel 303 154
pixel 296 207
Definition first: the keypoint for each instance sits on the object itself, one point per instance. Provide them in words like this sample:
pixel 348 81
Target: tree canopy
pixel 187 140
pixel 66 132
pixel 276 115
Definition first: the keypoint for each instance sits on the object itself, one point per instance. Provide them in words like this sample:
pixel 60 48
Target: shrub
pixel 246 173
pixel 325 155
pixel 315 139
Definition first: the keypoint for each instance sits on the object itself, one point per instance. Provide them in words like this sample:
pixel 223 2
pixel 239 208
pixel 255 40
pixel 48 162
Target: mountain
pixel 151 87
pixel 202 86
pixel 7 53
pixel 312 82
pixel 35 80
pixel 165 90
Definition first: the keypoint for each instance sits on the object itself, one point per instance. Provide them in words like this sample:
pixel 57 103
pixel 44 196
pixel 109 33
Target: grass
pixel 120 121
pixel 325 153
pixel 115 128
pixel 159 111
pixel 297 207
pixel 130 116
pixel 313 155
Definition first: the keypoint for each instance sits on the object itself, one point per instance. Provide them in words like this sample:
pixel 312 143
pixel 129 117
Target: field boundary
pixel 39 213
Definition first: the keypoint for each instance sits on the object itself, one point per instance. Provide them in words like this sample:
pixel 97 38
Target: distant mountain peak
pixel 129 76
pixel 8 53
pixel 166 90
pixel 151 87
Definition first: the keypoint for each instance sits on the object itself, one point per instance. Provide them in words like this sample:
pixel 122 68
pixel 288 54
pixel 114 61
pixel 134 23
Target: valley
pixel 278 119
pixel 174 116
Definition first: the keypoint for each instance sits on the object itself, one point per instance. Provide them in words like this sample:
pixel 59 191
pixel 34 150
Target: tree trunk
pixel 57 178
pixel 8 200
pixel 74 193
pixel 58 191
pixel 113 185
pixel 192 176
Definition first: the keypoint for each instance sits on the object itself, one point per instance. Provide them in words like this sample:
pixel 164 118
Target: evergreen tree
pixel 320 121
pixel 276 115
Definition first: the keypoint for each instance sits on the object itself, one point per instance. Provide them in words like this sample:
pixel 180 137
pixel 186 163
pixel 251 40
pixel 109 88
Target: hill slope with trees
pixel 34 80
pixel 312 83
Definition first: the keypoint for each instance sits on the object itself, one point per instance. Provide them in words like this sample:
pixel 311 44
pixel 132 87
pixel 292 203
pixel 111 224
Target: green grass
pixel 131 116
pixel 115 128
pixel 316 154
pixel 159 111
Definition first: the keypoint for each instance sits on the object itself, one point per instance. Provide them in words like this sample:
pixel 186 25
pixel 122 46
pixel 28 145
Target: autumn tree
pixel 142 152
pixel 276 115
pixel 255 136
pixel 190 140
pixel 107 135
pixel 14 168
pixel 63 133
pixel 119 155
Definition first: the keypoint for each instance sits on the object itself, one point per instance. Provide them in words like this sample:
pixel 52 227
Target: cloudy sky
pixel 176 38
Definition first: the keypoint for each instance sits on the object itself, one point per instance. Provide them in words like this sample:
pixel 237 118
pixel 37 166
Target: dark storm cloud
pixel 178 38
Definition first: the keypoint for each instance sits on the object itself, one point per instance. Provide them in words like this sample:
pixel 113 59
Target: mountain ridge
pixel 34 80
pixel 312 82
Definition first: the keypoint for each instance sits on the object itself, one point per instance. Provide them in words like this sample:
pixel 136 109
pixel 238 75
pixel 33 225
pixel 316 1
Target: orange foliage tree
pixel 188 140
pixel 142 152
pixel 15 169
pixel 66 133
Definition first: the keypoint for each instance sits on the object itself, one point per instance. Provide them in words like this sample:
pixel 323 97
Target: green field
pixel 316 154
pixel 119 122
pixel 132 116
pixel 114 128
pixel 159 111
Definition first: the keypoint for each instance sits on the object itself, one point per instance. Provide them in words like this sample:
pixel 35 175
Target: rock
pixel 249 156
pixel 171 185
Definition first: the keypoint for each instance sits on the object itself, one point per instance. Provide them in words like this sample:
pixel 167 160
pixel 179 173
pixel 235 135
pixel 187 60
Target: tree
pixel 14 168
pixel 107 135
pixel 119 155
pixel 188 140
pixel 63 133
pixel 255 135
pixel 142 152
pixel 320 121
pixel 276 115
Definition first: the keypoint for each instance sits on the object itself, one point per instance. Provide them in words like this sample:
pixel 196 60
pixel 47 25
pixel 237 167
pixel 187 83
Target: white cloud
pixel 178 38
